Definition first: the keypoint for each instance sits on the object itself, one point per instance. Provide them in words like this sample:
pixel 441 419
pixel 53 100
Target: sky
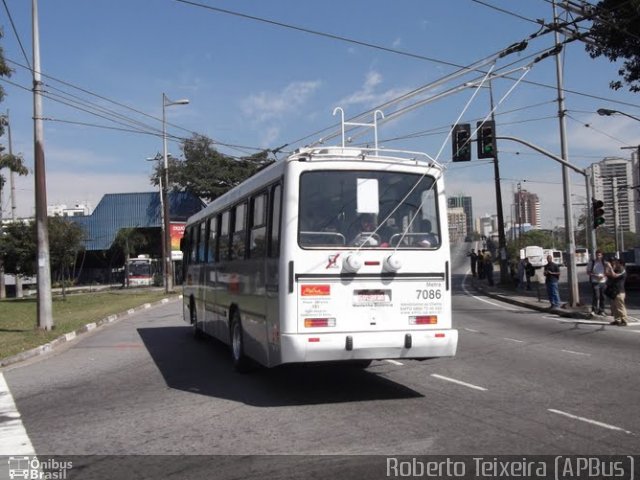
pixel 263 74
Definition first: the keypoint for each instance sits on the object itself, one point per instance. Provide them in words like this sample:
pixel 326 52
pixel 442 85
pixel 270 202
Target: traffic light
pixel 486 139
pixel 461 142
pixel 598 213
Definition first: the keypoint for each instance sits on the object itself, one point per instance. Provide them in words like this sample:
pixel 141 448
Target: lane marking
pixel 459 382
pixel 576 353
pixel 471 330
pixel 394 362
pixel 588 420
pixel 464 288
pixel 513 340
pixel 15 440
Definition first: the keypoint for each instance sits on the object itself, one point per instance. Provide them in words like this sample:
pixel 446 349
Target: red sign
pixel 176 231
pixel 315 290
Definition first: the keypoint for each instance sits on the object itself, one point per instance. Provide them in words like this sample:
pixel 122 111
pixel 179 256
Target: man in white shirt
pixel 597 271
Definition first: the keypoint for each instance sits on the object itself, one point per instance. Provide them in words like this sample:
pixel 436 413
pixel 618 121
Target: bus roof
pixel 368 154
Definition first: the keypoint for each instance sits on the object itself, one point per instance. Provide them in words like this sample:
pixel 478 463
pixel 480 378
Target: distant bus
pixel 535 255
pixel 582 256
pixel 142 271
pixel 333 254
pixel 556 254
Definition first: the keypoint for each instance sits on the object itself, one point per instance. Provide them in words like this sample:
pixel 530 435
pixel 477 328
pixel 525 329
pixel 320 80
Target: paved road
pixel 522 383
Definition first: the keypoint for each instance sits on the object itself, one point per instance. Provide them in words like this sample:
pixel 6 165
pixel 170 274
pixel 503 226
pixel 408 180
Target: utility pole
pixel 574 296
pixel 45 308
pixel 502 241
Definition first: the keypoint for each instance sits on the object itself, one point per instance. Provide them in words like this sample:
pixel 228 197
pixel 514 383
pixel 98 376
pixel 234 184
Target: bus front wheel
pixel 240 361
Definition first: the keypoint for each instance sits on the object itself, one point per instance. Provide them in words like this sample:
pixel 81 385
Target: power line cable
pixel 15 32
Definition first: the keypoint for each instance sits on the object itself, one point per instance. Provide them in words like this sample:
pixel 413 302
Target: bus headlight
pixel 352 263
pixel 392 263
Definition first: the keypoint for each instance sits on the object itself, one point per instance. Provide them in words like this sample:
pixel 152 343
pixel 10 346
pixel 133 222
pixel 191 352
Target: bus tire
pixel 240 361
pixel 193 317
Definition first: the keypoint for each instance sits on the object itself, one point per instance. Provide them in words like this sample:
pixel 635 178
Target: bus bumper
pixel 299 348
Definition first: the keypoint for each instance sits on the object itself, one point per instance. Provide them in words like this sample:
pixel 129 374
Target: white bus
pixel 535 255
pixel 334 254
pixel 582 256
pixel 142 271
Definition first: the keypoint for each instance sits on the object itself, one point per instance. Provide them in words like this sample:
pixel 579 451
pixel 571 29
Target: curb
pixel 540 308
pixel 67 337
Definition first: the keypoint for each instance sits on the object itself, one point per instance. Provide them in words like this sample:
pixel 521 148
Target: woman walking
pixel 616 277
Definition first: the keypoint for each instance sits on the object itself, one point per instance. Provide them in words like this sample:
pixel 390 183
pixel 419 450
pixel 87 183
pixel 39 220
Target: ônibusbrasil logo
pixel 32 468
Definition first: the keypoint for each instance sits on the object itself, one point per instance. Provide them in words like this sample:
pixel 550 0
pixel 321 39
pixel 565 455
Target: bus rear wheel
pixel 240 361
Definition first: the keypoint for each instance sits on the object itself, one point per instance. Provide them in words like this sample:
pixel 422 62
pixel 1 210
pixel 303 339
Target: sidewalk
pixel 536 299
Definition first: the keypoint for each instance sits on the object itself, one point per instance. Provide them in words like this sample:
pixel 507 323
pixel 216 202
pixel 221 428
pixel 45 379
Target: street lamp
pixel 607 113
pixel 166 221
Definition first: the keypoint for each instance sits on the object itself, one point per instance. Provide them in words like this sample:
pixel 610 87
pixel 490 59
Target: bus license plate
pixel 372 296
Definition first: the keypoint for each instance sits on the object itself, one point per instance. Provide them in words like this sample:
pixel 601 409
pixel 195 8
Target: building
pixel 460 201
pixel 485 225
pixel 141 211
pixel 457 224
pixel 527 208
pixel 613 178
pixel 61 210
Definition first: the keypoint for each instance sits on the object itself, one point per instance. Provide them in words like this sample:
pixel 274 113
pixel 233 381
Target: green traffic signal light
pixel 598 213
pixel 486 139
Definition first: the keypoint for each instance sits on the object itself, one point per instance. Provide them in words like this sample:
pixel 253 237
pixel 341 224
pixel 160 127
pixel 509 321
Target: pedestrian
pixel 552 277
pixel 616 277
pixel 481 271
pixel 488 268
pixel 473 256
pixel 529 271
pixel 521 273
pixel 597 269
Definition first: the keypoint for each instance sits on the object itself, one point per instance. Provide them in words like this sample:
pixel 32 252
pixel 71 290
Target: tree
pixel 614 34
pixel 18 251
pixel 66 240
pixel 207 173
pixel 5 71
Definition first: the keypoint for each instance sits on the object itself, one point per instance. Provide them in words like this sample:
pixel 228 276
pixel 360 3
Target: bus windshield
pixel 139 267
pixel 368 209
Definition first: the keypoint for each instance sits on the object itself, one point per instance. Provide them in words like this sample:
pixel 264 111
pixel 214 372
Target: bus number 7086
pixel 428 294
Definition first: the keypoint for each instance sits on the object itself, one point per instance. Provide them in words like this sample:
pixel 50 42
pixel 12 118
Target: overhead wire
pixel 15 32
pixel 302 29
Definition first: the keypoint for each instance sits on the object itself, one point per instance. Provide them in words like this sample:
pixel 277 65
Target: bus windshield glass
pixel 367 209
pixel 139 267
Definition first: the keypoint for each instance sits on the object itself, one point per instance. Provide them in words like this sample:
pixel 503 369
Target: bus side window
pixel 274 221
pixel 213 241
pixel 185 246
pixel 257 239
pixel 223 241
pixel 238 242
pixel 202 247
pixel 195 231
